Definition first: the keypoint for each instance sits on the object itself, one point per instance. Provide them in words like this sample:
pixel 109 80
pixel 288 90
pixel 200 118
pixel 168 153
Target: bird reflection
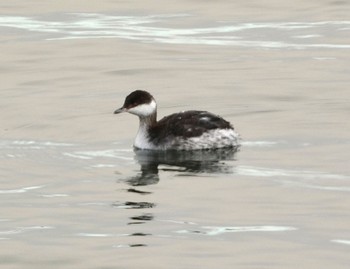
pixel 198 161
pixel 181 162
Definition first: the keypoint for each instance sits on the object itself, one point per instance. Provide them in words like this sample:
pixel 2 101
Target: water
pixel 74 193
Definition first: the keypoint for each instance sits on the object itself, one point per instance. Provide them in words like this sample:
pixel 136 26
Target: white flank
pixel 218 138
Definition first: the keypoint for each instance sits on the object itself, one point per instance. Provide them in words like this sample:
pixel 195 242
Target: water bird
pixel 187 130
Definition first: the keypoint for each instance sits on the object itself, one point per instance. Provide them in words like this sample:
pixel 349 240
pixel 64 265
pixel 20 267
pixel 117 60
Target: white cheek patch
pixel 144 110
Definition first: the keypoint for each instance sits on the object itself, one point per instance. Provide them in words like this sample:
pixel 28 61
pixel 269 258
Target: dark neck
pixel 149 121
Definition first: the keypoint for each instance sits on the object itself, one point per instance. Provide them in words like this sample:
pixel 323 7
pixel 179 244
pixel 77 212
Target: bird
pixel 187 130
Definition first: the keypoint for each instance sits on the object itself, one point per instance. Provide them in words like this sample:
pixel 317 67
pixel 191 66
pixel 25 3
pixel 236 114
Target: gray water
pixel 73 192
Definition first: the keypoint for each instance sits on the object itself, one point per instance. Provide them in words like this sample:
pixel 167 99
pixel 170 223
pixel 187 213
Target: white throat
pixel 144 110
pixel 141 140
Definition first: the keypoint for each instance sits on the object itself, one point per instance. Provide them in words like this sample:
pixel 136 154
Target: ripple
pixel 299 178
pixel 271 172
pixel 260 143
pixel 94 235
pixel 217 230
pixel 54 195
pixel 31 144
pixel 25 229
pixel 341 241
pixel 271 35
pixel 89 155
pixel 21 190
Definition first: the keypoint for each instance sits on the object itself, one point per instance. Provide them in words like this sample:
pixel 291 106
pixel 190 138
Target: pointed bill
pixel 120 110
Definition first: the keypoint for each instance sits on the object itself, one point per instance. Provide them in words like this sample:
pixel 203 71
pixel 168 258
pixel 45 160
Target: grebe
pixel 188 130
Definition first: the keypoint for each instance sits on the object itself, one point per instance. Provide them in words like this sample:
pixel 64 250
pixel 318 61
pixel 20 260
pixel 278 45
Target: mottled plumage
pixel 188 130
pixel 187 124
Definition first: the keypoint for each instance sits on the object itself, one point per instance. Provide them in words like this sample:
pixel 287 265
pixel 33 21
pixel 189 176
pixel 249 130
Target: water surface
pixel 75 194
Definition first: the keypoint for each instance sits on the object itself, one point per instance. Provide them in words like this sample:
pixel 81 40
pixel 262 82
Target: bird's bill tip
pixel 120 110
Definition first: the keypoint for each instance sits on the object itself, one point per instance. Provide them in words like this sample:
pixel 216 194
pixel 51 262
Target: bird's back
pixel 187 125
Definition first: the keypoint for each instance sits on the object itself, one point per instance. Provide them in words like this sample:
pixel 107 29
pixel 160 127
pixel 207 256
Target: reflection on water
pixel 281 199
pixel 182 162
pixel 290 35
pixel 200 161
pixel 153 162
pixel 137 201
pixel 133 205
pixel 142 218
